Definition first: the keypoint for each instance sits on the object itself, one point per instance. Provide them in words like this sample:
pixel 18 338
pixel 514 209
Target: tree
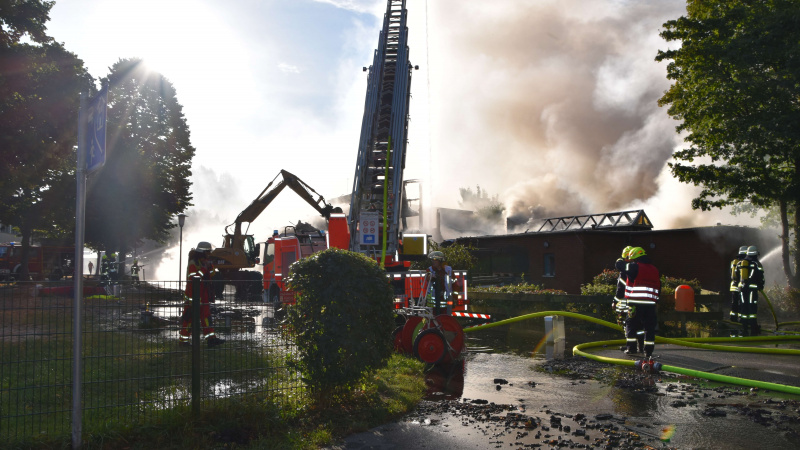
pixel 145 180
pixel 40 88
pixel 485 206
pixel 342 321
pixel 736 89
pixel 19 18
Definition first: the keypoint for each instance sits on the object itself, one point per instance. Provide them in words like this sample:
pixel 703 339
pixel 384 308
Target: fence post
pixel 196 386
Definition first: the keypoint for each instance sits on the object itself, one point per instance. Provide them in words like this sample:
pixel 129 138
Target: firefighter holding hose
pixel 199 266
pixel 735 296
pixel 619 304
pixel 641 295
pixel 751 280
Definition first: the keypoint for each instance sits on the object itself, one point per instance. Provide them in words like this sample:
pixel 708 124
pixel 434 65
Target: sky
pixel 549 104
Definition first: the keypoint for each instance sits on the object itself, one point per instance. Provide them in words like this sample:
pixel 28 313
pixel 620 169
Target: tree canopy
pixel 736 92
pixel 39 102
pixel 19 18
pixel 145 180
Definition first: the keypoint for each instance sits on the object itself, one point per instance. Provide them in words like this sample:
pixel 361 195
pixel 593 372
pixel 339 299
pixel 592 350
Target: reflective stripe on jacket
pixel 646 285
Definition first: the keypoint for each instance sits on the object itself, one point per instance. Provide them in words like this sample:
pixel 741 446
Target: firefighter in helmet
pixel 199 265
pixel 619 304
pixel 135 271
pixel 621 266
pixel 751 280
pixel 735 297
pixel 113 267
pixel 441 283
pixel 641 295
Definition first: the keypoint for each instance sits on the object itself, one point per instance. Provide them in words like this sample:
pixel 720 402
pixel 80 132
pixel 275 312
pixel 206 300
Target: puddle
pixel 526 402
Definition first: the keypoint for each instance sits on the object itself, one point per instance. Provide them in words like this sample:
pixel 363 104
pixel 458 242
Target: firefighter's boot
pixel 215 341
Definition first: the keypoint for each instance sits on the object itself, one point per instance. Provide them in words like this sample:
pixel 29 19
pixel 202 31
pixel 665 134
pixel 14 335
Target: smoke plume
pixel 553 103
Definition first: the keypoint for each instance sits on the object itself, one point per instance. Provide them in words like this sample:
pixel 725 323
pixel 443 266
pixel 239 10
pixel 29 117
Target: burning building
pixel 566 252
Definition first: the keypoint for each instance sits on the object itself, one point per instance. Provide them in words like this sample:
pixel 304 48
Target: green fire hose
pixel 704 343
pixel 772 310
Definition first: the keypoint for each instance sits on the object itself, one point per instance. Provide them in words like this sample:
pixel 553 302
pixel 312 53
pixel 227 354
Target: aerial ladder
pixel 378 181
pixel 379 202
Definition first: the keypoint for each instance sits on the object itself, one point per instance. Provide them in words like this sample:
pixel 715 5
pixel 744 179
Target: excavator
pixel 239 251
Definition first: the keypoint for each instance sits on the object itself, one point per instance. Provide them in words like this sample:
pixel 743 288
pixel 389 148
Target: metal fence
pixel 133 365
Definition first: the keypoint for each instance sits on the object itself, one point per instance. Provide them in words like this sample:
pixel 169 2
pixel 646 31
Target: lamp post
pixel 181 221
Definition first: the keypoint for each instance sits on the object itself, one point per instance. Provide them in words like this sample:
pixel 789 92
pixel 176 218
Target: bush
pixel 668 285
pixel 521 288
pixel 607 277
pixel 605 283
pixel 457 256
pixel 342 320
pixel 785 300
pixel 598 289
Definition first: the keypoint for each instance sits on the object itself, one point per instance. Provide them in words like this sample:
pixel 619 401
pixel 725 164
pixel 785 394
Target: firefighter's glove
pixel 631 311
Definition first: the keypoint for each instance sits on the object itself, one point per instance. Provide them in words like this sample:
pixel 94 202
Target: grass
pixel 137 385
pixel 255 422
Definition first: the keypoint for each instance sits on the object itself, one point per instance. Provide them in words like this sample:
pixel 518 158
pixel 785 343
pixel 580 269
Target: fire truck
pixel 44 262
pixel 378 208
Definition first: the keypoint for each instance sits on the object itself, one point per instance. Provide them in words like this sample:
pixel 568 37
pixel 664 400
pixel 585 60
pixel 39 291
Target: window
pixel 549 264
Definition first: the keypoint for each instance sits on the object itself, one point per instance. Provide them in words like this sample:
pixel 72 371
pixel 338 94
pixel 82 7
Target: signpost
pixel 96 128
pixel 91 156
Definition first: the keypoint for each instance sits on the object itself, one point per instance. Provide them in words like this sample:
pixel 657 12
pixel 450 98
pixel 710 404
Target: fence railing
pixel 134 367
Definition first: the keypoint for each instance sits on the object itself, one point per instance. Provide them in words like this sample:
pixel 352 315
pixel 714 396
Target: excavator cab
pixel 251 249
pixel 227 256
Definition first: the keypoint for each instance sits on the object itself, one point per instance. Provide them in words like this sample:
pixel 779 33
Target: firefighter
pixel 621 265
pixel 104 265
pixel 113 266
pixel 199 266
pixel 135 271
pixel 619 304
pixel 641 295
pixel 441 283
pixel 735 297
pixel 751 280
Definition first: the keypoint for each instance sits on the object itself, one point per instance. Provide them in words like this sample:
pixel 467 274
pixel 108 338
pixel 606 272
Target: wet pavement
pixel 516 399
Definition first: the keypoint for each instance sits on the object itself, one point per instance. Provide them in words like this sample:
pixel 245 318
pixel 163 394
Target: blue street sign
pixel 96 127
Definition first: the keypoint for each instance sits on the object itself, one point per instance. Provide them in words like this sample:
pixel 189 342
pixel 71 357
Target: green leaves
pixel 342 321
pixel 736 92
pixel 145 181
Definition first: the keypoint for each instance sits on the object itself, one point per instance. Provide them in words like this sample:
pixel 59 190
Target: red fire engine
pixel 304 240
pixel 51 262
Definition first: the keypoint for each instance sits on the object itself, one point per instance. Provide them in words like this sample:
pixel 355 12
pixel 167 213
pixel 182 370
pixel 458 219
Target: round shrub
pixel 342 320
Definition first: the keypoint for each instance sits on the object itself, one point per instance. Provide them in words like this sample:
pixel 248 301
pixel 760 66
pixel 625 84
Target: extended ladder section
pixel 379 167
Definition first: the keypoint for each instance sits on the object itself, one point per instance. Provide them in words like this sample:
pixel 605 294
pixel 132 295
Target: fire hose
pixel 704 343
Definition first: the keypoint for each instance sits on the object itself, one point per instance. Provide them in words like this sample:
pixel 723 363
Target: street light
pixel 181 221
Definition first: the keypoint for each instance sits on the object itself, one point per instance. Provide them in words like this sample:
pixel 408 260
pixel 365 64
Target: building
pixel 565 252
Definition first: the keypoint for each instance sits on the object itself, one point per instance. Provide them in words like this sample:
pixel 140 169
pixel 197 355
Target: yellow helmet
pixel 636 252
pixel 625 251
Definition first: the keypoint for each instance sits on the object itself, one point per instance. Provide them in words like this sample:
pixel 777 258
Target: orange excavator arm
pixel 270 192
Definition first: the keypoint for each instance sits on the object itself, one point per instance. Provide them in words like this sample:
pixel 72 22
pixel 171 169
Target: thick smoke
pixel 553 103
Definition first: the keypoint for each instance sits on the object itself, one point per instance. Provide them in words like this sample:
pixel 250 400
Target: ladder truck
pixel 378 199
pixel 378 208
